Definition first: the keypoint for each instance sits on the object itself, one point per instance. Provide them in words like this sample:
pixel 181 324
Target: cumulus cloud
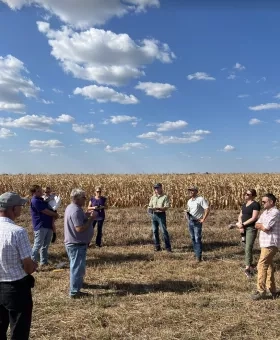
pixel 36 150
pixel 150 135
pixel 239 67
pixel 82 128
pixel 167 126
pixel 231 77
pixel 6 133
pixel 157 90
pixel 64 118
pixel 120 119
pixel 58 91
pixel 254 121
pixel 104 94
pixel 52 143
pixel 47 102
pixel 125 147
pixel 200 76
pixel 243 96
pixel 104 56
pixel 228 148
pixel 198 132
pixel 162 139
pixel 14 85
pixel 93 141
pixel 86 13
pixel 268 106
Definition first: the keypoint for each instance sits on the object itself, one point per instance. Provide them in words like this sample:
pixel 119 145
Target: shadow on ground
pixel 118 258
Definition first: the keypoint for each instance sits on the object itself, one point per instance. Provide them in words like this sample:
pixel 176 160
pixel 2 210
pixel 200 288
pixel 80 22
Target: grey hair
pixel 77 193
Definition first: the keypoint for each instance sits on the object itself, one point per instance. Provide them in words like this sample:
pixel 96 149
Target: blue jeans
pixel 99 231
pixel 77 257
pixel 42 240
pixel 160 220
pixel 195 229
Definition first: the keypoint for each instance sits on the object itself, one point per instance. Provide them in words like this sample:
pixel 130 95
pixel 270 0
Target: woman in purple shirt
pixel 98 202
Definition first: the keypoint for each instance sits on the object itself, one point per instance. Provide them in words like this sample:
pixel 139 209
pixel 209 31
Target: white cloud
pixel 243 96
pixel 6 133
pixel 167 126
pixel 14 85
pixel 104 94
pixel 36 150
pixel 86 13
pixel 161 139
pixel 150 135
pixel 82 128
pixel 64 118
pixel 277 96
pixel 268 106
pixel 104 56
pixel 120 119
pixel 198 132
pixel 277 121
pixel 47 102
pixel 58 91
pixel 261 79
pixel 200 76
pixel 52 143
pixel 157 90
pixel 125 147
pixel 228 148
pixel 239 67
pixel 93 141
pixel 231 76
pixel 52 154
pixel 254 121
pixel 29 122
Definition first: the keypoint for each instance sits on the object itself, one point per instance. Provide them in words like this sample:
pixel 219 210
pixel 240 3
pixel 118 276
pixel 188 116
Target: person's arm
pixel 79 222
pixel 205 215
pixel 89 204
pixel 49 213
pixel 253 219
pixel 150 206
pixel 24 249
pixel 41 206
pixel 266 226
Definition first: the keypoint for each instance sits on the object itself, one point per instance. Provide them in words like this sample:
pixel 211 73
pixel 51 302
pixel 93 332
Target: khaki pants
pixel 266 280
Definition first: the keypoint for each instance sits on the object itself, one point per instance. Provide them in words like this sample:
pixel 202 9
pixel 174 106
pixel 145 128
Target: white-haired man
pixel 78 233
pixel 15 269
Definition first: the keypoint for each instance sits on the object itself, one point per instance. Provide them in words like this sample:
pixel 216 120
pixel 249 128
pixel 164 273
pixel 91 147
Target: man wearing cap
pixel 16 268
pixel 158 205
pixel 197 212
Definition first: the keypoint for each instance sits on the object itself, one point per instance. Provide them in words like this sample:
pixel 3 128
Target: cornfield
pixel 223 191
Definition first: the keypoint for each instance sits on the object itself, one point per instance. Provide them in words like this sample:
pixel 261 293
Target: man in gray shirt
pixel 78 233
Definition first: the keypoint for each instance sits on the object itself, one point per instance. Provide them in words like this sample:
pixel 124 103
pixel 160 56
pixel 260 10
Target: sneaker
pixel 98 245
pixel 248 273
pixel 272 295
pixel 258 295
pixel 79 295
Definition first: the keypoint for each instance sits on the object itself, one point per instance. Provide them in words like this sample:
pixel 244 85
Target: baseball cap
pixel 193 187
pixel 11 199
pixel 157 185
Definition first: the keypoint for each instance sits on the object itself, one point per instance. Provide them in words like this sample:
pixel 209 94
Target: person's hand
pixel 201 220
pixel 56 216
pixel 239 225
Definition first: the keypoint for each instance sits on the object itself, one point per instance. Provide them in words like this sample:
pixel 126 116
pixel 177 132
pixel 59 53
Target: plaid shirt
pixel 14 247
pixel 270 219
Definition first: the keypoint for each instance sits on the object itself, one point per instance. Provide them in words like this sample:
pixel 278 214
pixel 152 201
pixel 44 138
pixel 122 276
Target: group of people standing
pixel 18 260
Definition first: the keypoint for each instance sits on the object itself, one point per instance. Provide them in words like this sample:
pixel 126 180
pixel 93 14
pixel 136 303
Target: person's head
pixel 78 196
pixel 36 190
pixel 250 194
pixel 192 191
pixel 268 201
pixel 98 191
pixel 47 190
pixel 158 188
pixel 10 205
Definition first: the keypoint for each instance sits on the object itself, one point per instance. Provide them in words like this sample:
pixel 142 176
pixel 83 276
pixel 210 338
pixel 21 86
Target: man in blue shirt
pixel 42 221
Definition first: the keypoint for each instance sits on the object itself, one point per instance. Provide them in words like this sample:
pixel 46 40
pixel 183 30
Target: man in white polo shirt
pixel 15 269
pixel 197 212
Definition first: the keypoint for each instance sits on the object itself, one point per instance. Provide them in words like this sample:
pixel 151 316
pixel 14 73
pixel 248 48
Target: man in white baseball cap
pixel 16 268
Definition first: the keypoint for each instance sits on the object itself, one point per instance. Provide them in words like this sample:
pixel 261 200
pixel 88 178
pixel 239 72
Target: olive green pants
pixel 251 234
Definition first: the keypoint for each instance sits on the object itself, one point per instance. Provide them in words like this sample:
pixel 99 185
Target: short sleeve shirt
pixel 75 217
pixel 14 247
pixel 159 201
pixel 96 202
pixel 196 206
pixel 40 220
pixel 247 212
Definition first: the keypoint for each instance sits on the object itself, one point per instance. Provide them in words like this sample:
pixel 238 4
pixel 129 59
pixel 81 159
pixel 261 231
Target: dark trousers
pixel 98 240
pixel 159 220
pixel 16 308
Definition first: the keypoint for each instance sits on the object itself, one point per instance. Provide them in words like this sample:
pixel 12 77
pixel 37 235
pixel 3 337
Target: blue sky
pixel 138 86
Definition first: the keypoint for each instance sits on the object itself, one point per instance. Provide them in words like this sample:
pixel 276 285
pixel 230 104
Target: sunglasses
pixel 248 194
pixel 98 191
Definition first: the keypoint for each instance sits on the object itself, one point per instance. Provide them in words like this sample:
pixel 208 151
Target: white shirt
pixel 14 247
pixel 196 207
pixel 270 219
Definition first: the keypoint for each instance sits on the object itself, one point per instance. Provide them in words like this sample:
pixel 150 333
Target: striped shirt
pixel 159 201
pixel 270 219
pixel 14 247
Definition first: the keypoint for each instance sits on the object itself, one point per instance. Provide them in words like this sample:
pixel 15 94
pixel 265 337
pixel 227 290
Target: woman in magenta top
pixel 98 202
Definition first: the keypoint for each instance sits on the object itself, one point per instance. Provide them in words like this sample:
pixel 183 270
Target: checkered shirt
pixel 270 219
pixel 14 247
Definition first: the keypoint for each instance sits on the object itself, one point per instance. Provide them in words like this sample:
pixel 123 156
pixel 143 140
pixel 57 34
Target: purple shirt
pixel 96 202
pixel 40 220
pixel 75 217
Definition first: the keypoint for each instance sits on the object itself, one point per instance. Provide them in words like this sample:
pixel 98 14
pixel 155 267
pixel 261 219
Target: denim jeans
pixel 195 229
pixel 98 240
pixel 77 257
pixel 160 220
pixel 42 240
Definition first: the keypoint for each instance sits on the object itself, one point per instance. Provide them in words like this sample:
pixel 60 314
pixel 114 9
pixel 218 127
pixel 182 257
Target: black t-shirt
pixel 247 212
